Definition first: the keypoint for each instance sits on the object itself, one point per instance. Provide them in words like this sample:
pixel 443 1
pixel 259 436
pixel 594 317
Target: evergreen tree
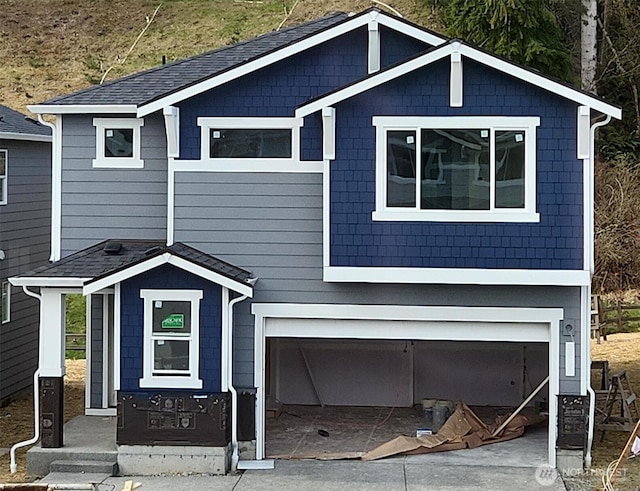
pixel 523 31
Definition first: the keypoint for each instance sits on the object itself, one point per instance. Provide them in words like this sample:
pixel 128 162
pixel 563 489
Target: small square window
pixel 118 143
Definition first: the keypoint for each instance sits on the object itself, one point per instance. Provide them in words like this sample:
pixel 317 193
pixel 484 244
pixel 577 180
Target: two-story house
pixel 415 212
pixel 25 235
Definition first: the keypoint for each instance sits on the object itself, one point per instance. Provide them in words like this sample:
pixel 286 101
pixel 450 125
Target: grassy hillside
pixel 53 47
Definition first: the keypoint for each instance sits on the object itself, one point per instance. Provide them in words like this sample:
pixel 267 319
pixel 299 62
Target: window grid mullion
pixel 418 137
pixel 492 169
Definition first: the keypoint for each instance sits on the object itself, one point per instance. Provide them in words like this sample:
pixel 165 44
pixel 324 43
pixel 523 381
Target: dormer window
pixel 456 169
pixel 118 143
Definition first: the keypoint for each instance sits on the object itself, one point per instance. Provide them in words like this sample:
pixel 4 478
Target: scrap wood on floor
pixel 463 429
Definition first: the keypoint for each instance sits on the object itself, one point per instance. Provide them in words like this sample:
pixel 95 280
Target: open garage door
pixel 329 323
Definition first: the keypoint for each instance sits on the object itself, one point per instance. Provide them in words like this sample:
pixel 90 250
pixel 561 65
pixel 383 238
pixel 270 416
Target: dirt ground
pixel 16 420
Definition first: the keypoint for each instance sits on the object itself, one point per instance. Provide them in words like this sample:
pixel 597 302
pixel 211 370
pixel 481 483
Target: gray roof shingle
pixel 14 122
pixel 94 263
pixel 145 87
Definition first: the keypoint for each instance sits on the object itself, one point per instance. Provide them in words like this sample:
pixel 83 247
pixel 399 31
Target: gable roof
pixel 148 91
pixel 111 261
pixel 17 126
pixel 438 53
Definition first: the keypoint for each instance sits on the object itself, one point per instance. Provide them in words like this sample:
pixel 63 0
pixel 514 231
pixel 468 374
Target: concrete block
pixel 109 468
pixel 148 460
pixel 569 462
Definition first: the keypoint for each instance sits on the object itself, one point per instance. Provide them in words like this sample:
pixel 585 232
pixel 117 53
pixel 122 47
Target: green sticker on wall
pixel 174 321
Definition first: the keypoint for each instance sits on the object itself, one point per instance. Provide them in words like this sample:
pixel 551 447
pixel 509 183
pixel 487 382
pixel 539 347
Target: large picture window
pixel 171 327
pixel 456 169
pixel 3 177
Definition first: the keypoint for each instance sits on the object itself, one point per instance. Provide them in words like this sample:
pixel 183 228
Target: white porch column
pixel 52 332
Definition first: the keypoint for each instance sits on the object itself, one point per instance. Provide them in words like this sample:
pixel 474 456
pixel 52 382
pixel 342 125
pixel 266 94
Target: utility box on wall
pixel 572 422
pixel 173 419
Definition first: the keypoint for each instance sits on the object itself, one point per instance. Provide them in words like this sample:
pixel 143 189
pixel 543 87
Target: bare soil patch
pixel 16 420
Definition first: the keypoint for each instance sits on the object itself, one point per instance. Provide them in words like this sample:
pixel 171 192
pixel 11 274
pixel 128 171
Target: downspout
pixel 587 338
pixel 36 404
pixel 234 393
pixel 56 184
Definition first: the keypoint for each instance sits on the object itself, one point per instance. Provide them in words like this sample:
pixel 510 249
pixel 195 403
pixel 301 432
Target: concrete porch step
pixel 85 466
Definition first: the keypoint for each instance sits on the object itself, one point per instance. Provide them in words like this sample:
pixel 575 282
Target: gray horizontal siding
pixel 271 224
pixel 98 204
pixel 25 224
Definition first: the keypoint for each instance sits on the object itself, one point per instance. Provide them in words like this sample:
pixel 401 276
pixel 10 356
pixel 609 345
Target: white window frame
pixel 383 212
pixel 5 299
pixel 191 379
pixel 250 164
pixel 3 177
pixel 103 124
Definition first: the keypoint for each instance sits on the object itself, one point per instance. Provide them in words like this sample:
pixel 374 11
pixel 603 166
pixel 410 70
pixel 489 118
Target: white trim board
pixel 477 55
pixel 166 258
pixel 457 276
pixel 7 135
pixel 409 322
pixel 49 282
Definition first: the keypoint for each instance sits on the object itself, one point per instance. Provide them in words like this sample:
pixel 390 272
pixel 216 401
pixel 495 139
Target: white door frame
pixel 410 322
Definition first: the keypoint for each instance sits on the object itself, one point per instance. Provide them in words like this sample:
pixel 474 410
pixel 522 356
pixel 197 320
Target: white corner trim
pixel 224 343
pixel 116 337
pixel 171 201
pixel 584 131
pixel 457 276
pixel 456 81
pixel 8 135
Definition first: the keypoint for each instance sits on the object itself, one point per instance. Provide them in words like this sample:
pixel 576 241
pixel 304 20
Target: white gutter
pixel 234 393
pixel 36 404
pixel 586 338
pixel 56 184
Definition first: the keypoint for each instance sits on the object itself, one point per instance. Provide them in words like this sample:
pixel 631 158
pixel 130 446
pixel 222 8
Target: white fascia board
pixel 454 276
pixel 310 42
pixel 166 258
pixel 48 282
pixel 83 109
pixel 408 313
pixel 212 276
pixel 125 274
pixel 7 135
pixel 540 81
pixel 374 81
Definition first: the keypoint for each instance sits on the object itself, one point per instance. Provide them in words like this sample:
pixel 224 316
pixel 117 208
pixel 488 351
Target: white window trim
pixel 102 162
pixel 3 178
pixel 493 123
pixel 192 381
pixel 6 302
pixel 251 164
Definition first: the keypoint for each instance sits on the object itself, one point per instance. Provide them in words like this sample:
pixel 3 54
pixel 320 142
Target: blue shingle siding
pixel 132 318
pixel 553 243
pixel 396 46
pixel 276 90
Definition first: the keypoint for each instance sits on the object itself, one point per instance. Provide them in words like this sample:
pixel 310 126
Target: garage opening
pixel 321 360
pixel 340 398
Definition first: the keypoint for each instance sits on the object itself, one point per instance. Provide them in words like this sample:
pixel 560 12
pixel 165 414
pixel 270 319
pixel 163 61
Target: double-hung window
pixel 456 169
pixel 3 176
pixel 118 143
pixel 171 339
pixel 5 304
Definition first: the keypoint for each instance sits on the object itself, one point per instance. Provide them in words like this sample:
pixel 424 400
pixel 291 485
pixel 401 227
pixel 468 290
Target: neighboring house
pixel 25 235
pixel 358 208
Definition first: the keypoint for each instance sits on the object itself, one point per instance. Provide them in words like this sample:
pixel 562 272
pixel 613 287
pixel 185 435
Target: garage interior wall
pixel 350 372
